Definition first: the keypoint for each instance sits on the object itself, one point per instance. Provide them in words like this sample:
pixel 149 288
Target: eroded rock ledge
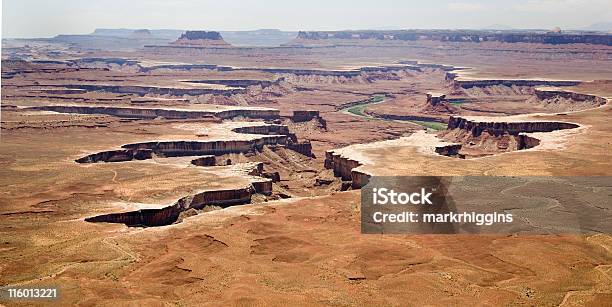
pixel 277 135
pixel 544 93
pixel 198 201
pixel 469 83
pixel 150 113
pixel 497 126
pixel 344 168
pixel 465 138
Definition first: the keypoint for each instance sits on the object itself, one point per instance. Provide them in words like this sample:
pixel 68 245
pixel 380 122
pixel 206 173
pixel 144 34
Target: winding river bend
pixel 357 109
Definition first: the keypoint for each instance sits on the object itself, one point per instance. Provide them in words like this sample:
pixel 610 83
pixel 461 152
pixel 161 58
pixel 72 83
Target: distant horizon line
pixel 340 30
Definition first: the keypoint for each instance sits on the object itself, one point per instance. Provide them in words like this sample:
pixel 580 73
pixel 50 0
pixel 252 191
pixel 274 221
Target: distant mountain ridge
pixel 261 37
pixel 599 26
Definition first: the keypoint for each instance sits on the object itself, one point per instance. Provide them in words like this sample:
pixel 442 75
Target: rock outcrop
pixel 199 148
pixel 486 136
pixel 271 134
pixel 497 127
pixel 450 150
pixel 344 168
pixel 170 214
pixel 435 98
pixel 205 161
pixel 120 155
pixel 551 93
pixel 165 113
pixel 304 116
pixel 304 148
pixel 206 39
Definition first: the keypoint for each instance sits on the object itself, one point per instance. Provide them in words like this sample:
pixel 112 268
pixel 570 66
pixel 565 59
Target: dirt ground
pixel 306 249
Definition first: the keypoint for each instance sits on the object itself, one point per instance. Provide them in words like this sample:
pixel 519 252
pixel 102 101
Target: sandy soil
pixel 302 250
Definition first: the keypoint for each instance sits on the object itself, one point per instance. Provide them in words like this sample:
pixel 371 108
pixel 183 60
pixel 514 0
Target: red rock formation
pixel 263 186
pixel 120 155
pixel 204 161
pixel 435 98
pixel 304 148
pixel 274 135
pixel 170 214
pixel 166 113
pixel 304 116
pixel 436 104
pixel 343 167
pixel 450 150
pixel 275 176
pixel 544 94
pixel 480 138
pixel 498 128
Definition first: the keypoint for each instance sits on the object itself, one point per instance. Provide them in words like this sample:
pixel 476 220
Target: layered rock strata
pixel 469 83
pixel 551 93
pixel 170 214
pixel 343 167
pixel 150 113
pixel 277 135
pixel 120 155
pixel 498 127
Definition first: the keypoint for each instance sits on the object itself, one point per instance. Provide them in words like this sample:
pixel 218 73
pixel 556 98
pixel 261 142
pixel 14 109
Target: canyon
pixel 175 167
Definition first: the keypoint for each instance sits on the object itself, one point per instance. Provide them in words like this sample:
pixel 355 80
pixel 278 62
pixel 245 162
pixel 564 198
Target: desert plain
pixel 197 172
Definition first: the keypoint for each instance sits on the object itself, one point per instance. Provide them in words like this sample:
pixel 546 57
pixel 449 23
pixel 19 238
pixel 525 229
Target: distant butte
pixel 142 33
pixel 201 39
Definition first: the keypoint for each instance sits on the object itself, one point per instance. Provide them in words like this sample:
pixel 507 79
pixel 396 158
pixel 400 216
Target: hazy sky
pixel 44 18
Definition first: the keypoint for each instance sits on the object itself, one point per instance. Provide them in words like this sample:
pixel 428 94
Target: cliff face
pixel 205 161
pixel 269 135
pixel 344 168
pixel 143 90
pixel 450 150
pixel 120 155
pixel 481 137
pixel 304 116
pixel 198 148
pixel 170 214
pixel 166 113
pixel 500 128
pixel 266 130
pixel 304 148
pixel 513 82
pixel 544 94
